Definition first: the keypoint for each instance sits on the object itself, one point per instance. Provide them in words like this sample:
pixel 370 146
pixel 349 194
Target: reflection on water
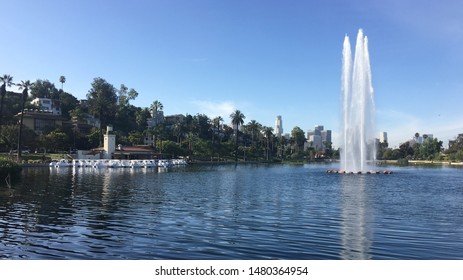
pixel 357 218
pixel 228 212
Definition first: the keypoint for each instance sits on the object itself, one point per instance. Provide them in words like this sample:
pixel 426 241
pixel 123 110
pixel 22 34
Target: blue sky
pixel 265 58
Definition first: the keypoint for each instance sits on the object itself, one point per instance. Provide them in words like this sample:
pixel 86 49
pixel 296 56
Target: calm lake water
pixel 232 212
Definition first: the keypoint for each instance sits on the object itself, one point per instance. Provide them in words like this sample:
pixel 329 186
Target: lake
pixel 232 212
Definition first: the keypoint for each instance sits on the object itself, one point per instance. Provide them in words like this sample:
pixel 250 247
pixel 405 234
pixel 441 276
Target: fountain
pixel 358 109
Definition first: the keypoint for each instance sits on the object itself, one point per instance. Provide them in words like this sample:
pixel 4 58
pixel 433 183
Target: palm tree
pixel 178 131
pixel 216 129
pixel 215 126
pixel 24 86
pixel 155 108
pixel 254 126
pixel 7 82
pixel 62 80
pixel 268 132
pixel 237 120
pixel 190 137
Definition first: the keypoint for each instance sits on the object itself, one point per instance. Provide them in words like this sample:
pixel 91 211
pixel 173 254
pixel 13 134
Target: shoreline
pixel 380 162
pixel 420 162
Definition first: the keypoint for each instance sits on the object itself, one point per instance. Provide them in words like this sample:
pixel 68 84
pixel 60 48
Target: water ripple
pixel 227 212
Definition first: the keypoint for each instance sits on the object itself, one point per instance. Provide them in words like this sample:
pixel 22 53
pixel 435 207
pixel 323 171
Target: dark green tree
pixel 7 82
pixel 57 140
pixel 68 102
pixel 254 128
pixel 62 80
pixel 298 138
pixel 24 86
pixel 8 137
pixel 157 116
pixel 268 133
pixel 126 115
pixel 237 119
pixel 102 102
pixel 216 131
pixel 44 89
pixel 203 126
pixel 406 150
pixel 93 137
pixel 135 137
pixel 141 115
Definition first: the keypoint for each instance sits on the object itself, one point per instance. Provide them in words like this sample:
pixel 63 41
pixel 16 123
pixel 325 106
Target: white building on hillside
pixel 48 104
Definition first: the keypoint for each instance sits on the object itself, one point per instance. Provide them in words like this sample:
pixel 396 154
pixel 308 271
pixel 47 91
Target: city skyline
pixel 265 58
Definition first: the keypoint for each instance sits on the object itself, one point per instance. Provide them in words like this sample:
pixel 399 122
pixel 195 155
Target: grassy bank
pixel 34 158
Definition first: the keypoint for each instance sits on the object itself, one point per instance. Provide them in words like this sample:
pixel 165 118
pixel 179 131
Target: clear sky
pixel 263 57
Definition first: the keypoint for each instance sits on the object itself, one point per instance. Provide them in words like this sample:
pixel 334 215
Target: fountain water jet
pixel 358 109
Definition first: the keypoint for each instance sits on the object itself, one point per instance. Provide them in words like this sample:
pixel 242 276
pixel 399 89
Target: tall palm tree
pixel 24 86
pixel 62 80
pixel 237 120
pixel 268 132
pixel 216 126
pixel 7 82
pixel 216 129
pixel 178 131
pixel 254 126
pixel 155 108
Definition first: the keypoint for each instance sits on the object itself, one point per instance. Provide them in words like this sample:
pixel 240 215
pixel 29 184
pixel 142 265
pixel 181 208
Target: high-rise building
pixel 326 138
pixel 318 129
pixel 383 137
pixel 278 127
pixel 319 138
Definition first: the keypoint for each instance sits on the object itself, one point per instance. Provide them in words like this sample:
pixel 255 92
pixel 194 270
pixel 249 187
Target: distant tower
pixel 383 137
pixel 278 127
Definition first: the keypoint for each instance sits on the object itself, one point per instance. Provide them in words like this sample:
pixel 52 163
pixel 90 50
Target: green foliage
pixel 56 141
pixel 68 102
pixel 455 150
pixel 93 137
pixel 298 138
pixel 102 101
pixel 8 167
pixel 456 156
pixel 173 149
pixel 125 95
pixel 9 136
pixel 402 161
pixel 44 89
pixel 135 137
pixel 237 119
pixel 297 156
pixel 197 136
pixel 202 148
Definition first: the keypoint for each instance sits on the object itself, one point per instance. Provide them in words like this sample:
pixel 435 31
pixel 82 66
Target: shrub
pixel 402 161
pixel 9 167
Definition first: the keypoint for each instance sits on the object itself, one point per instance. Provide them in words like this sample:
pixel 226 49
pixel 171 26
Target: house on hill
pixel 41 120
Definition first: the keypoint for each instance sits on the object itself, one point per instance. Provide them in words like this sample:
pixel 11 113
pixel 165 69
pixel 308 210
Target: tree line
pixel 427 149
pixel 197 136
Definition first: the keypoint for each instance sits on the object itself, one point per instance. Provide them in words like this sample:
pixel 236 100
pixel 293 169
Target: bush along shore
pixel 8 169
